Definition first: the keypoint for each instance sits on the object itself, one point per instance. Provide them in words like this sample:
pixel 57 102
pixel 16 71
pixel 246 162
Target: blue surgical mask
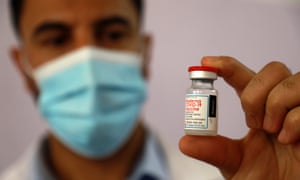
pixel 91 99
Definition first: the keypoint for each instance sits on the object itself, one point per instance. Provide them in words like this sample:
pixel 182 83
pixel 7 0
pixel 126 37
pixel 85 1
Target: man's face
pixel 51 28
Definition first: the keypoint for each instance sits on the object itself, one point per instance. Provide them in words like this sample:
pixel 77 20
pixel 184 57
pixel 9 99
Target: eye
pixel 55 41
pixel 113 35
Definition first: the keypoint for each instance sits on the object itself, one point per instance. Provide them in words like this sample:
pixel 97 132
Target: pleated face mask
pixel 91 99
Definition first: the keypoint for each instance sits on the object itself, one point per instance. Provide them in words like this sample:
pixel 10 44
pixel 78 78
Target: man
pixel 60 67
pixel 86 62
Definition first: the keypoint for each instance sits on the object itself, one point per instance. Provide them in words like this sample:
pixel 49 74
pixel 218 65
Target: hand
pixel 271 102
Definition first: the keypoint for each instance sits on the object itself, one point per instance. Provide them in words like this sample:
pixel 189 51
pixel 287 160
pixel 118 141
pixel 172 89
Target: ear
pixel 16 56
pixel 147 51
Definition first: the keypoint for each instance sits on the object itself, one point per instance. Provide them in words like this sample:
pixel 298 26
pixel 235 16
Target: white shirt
pixel 162 162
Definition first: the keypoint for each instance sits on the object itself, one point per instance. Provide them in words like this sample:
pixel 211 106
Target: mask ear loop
pixel 142 54
pixel 27 67
pixel 142 50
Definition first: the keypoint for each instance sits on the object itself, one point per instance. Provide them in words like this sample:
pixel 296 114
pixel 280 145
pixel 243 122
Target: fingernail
pixel 283 136
pixel 208 59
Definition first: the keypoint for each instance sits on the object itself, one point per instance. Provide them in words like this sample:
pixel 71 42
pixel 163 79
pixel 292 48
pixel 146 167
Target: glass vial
pixel 201 102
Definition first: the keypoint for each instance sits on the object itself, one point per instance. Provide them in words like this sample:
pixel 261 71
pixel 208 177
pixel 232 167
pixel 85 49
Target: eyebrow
pixel 50 26
pixel 102 23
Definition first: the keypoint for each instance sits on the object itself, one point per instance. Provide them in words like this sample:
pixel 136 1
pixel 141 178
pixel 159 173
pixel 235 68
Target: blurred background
pixel 255 32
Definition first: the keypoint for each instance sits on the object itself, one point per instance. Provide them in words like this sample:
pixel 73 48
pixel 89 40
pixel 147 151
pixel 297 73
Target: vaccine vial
pixel 201 102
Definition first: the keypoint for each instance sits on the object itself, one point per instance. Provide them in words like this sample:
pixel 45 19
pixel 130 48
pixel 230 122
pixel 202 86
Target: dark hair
pixel 16 7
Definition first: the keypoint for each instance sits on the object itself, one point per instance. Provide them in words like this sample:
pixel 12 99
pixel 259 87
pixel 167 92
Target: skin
pixel 51 28
pixel 271 149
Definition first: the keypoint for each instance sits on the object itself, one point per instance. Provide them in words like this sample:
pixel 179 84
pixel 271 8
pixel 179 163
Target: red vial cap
pixel 203 68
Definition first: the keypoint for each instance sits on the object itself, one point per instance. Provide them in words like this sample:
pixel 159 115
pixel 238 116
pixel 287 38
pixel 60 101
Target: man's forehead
pixel 36 11
pixel 49 4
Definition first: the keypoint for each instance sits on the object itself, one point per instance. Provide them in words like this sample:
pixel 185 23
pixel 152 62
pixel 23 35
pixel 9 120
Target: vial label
pixel 200 112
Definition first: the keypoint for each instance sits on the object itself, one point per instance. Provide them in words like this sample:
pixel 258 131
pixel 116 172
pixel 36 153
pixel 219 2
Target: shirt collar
pixel 152 162
pixel 39 168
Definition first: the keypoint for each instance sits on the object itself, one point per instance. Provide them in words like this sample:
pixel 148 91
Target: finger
pixel 283 98
pixel 290 132
pixel 254 96
pixel 233 72
pixel 219 151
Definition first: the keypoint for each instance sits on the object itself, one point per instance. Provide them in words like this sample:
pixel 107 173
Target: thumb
pixel 219 151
